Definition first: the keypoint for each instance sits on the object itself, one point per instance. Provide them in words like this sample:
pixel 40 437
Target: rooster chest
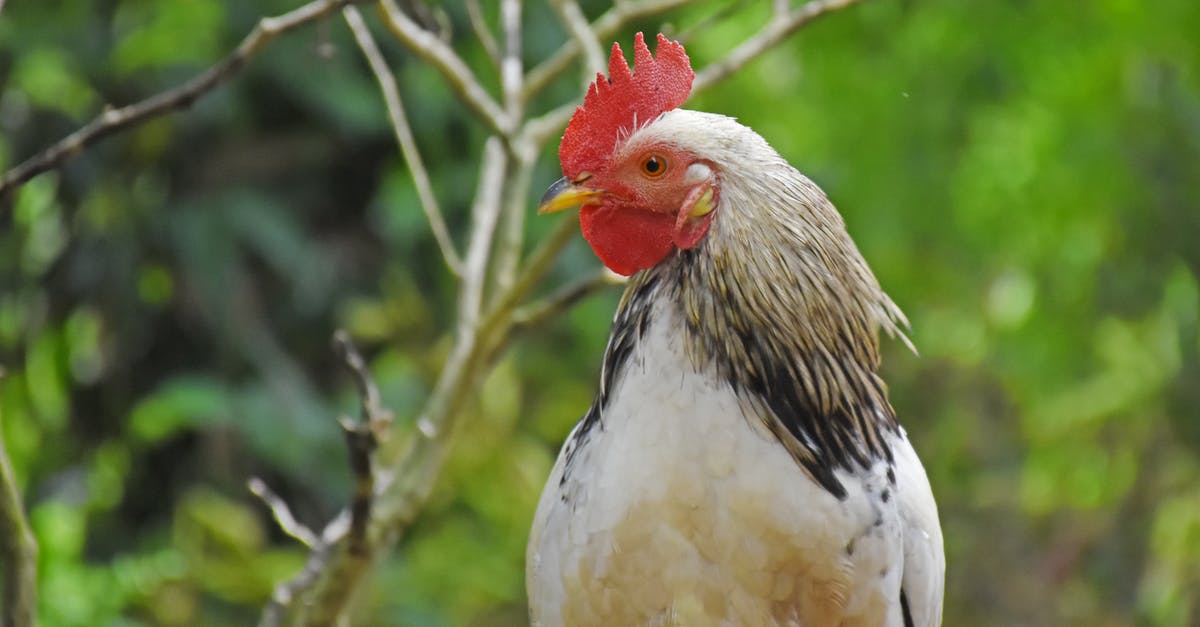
pixel 678 508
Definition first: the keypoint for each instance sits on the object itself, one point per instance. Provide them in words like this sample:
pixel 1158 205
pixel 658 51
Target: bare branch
pixel 536 315
pixel 577 25
pixel 404 136
pixel 18 548
pixel 290 594
pixel 178 98
pixel 604 28
pixel 536 267
pixel 437 53
pixel 511 71
pixel 282 513
pixel 516 204
pixel 485 215
pixel 362 438
pixel 346 547
pixel 482 31
pixel 541 129
pixel 780 28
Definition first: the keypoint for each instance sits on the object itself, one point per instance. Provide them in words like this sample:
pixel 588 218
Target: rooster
pixel 741 463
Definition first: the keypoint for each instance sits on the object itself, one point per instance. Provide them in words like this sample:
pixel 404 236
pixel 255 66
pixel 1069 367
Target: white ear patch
pixel 697 173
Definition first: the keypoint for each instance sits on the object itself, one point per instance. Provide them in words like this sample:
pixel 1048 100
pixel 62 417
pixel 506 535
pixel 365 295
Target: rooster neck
pixel 789 320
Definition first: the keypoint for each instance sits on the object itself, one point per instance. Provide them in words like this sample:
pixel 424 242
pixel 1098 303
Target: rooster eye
pixel 654 166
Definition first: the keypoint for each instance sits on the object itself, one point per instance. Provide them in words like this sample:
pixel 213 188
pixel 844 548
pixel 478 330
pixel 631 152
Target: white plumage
pixel 741 464
pixel 680 511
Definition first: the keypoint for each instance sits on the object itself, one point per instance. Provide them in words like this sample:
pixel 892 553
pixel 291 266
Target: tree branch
pixel 480 26
pixel 536 315
pixel 541 129
pixel 362 438
pixel 282 513
pixel 346 546
pixel 485 216
pixel 178 98
pixel 18 548
pixel 603 28
pixel 437 53
pixel 404 136
pixel 782 26
pixel 577 25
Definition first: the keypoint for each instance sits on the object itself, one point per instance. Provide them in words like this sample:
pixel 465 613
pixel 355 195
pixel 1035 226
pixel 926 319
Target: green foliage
pixel 1021 176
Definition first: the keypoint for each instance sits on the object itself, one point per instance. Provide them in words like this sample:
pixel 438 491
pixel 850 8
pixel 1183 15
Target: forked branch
pixel 404 136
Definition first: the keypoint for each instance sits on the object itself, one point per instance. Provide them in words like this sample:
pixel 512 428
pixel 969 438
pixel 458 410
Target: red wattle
pixel 627 240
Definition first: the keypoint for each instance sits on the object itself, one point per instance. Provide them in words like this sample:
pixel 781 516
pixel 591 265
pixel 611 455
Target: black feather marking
pixel 825 402
pixel 908 619
pixel 629 326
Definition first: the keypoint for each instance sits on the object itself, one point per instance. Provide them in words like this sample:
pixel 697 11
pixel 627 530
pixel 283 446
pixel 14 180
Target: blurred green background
pixel 1024 177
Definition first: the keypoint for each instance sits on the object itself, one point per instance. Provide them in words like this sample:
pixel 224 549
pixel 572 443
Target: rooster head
pixel 642 194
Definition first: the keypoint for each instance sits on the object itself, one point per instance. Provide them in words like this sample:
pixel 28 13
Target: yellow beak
pixel 564 194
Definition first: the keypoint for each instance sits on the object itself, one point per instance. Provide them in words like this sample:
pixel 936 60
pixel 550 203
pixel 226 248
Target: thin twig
pixel 577 25
pixel 404 136
pixel 604 28
pixel 442 57
pixel 535 268
pixel 18 548
pixel 511 71
pixel 282 513
pixel 536 315
pixel 541 129
pixel 776 31
pixel 289 594
pixel 482 31
pixel 362 438
pixel 178 98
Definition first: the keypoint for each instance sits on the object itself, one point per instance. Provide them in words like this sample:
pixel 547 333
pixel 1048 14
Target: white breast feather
pixel 681 510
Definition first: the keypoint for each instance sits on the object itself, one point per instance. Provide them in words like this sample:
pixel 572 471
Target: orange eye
pixel 654 166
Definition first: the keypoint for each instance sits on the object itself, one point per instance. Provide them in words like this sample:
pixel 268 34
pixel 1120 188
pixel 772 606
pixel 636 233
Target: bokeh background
pixel 1023 176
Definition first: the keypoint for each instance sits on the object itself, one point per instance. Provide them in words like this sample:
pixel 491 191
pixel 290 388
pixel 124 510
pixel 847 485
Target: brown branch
pixel 18 548
pixel 442 57
pixel 346 546
pixel 178 98
pixel 404 136
pixel 362 438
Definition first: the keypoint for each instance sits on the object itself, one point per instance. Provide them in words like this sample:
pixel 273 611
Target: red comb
pixel 615 104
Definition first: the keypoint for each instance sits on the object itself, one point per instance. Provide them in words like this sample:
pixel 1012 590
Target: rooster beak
pixel 564 194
